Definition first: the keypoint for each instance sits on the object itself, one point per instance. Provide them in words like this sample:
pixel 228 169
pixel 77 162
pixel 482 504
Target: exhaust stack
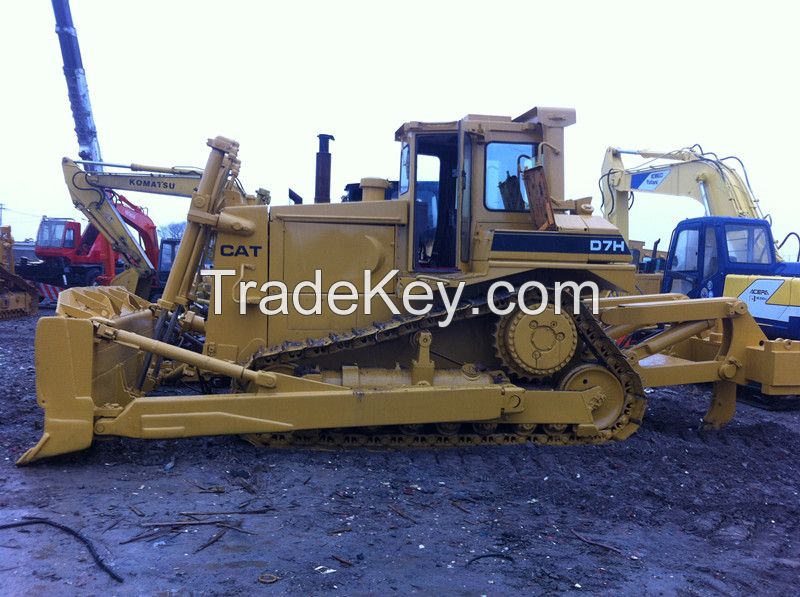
pixel 322 189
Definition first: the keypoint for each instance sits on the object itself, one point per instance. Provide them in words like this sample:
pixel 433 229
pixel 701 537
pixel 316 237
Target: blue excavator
pixel 730 251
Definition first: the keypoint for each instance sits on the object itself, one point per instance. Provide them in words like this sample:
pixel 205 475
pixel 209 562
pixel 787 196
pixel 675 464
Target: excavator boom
pixel 686 172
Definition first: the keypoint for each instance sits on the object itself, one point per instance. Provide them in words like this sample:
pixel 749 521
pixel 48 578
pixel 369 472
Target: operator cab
pixel 62 238
pixel 703 251
pixel 463 178
pixel 56 233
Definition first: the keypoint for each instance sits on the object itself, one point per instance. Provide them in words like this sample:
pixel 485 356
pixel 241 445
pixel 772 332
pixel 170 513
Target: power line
pixel 16 211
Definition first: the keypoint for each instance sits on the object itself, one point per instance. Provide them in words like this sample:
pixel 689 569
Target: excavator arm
pixel 92 193
pixel 179 182
pixel 686 172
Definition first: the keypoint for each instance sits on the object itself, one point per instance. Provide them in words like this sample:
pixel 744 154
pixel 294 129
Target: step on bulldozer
pixel 479 217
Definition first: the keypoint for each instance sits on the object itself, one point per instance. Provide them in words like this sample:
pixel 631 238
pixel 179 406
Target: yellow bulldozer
pixel 464 310
pixel 18 297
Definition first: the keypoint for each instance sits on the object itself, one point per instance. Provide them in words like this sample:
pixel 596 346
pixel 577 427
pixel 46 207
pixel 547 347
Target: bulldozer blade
pixel 77 377
pixel 63 386
pixel 133 282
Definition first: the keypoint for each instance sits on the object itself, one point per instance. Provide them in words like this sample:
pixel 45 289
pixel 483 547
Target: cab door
pixel 436 192
pixel 683 273
pixel 695 264
pixel 464 193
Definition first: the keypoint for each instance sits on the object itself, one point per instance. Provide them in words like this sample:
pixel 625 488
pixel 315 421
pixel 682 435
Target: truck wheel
pixel 90 278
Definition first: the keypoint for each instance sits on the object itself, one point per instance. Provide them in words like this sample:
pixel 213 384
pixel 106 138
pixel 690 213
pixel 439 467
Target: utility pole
pixel 2 207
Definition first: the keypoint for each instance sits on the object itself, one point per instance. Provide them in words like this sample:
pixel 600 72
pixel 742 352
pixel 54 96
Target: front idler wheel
pixel 607 407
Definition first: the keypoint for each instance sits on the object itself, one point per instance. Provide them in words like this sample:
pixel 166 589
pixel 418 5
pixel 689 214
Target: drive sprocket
pixel 532 347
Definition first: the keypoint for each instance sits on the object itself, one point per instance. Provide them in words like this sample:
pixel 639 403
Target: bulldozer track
pixel 14 313
pixel 598 345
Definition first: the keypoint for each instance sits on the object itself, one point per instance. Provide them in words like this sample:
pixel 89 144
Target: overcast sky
pixel 164 76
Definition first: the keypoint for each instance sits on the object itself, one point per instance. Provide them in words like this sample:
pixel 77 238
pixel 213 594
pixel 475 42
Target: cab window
pixel 166 256
pixel 710 261
pixel 405 160
pixel 685 257
pixel 747 244
pixel 504 190
pixel 51 234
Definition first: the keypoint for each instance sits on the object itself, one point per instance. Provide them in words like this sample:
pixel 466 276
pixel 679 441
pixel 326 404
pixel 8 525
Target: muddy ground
pixel 672 511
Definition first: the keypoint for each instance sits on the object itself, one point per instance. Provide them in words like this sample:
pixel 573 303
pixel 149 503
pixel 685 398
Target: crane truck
pixel 442 335
pixel 118 229
pixel 728 252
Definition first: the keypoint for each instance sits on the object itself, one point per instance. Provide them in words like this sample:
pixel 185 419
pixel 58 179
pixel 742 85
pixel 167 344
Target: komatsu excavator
pixel 730 251
pixel 94 194
pixel 476 367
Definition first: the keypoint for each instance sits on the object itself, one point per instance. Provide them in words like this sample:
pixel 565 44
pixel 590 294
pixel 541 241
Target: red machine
pixel 70 257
